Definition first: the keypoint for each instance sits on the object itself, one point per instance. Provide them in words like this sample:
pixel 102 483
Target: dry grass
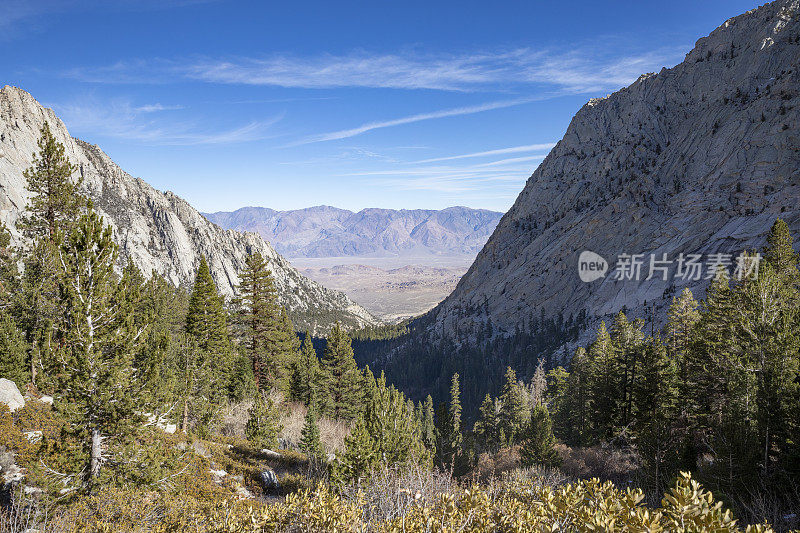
pixel 235 417
pixel 494 465
pixel 29 514
pixel 390 492
pixel 606 463
pixel 331 432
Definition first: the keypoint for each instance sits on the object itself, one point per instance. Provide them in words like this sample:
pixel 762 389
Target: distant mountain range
pixel 325 231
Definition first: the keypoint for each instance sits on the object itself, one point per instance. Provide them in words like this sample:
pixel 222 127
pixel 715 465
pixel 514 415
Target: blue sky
pixel 353 104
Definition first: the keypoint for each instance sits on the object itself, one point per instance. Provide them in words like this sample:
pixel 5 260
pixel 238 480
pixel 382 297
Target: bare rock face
pixel 10 395
pixel 700 158
pixel 158 230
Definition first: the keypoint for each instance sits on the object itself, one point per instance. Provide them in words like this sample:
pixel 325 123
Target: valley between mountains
pixel 619 351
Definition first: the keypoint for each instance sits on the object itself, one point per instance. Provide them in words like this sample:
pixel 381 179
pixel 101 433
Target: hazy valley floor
pixel 392 288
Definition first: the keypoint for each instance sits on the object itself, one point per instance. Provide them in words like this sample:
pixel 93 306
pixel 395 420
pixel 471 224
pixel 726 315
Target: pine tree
pixel 393 426
pixel 205 359
pixel 428 425
pixel 512 415
pixel 656 399
pixel 369 394
pixel 386 434
pixel 683 316
pixel 577 399
pixel 604 394
pixel 205 318
pixel 343 377
pixel 360 454
pixel 449 447
pixel 264 425
pixel 9 274
pixel 271 338
pixel 286 349
pixel 97 384
pixel 780 255
pixel 305 375
pixel 628 340
pixel 37 306
pixel 538 447
pixel 310 442
pixel 13 352
pixel 55 201
pixel 768 344
pixel 487 428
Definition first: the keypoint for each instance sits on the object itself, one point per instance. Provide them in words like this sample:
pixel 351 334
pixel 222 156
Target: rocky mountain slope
pixel 325 231
pixel 700 158
pixel 158 230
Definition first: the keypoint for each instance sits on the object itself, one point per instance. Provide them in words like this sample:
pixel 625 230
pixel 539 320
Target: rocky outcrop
pixel 10 395
pixel 700 158
pixel 159 231
pixel 325 231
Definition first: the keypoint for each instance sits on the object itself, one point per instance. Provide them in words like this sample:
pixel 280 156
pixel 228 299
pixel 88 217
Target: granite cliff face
pixel 700 158
pixel 158 230
pixel 324 231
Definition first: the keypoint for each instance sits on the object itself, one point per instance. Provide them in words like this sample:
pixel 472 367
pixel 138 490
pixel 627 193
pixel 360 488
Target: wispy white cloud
pixel 575 69
pixel 467 110
pixel 121 119
pixel 499 151
pixel 512 160
pixel 152 108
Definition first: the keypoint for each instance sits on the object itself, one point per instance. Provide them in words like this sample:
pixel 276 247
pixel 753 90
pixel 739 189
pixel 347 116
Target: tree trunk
pixel 185 421
pixel 96 454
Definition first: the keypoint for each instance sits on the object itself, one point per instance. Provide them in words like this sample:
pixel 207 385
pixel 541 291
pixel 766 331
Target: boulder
pixel 201 450
pixel 10 395
pixel 269 480
pixel 271 454
pixel 33 436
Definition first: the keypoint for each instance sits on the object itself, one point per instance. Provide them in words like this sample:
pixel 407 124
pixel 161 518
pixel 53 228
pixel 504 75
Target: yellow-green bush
pixel 518 506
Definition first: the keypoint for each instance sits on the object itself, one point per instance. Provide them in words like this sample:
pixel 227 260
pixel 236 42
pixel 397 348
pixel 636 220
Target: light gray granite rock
pixel 10 395
pixel 158 230
pixel 699 158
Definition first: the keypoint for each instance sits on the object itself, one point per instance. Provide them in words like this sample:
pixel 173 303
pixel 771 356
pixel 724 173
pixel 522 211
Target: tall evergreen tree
pixel 538 446
pixel 604 403
pixel 780 255
pixel 512 417
pixel 264 425
pixel 205 319
pixel 310 442
pixel 37 306
pixel 449 446
pixel 207 324
pixel 428 421
pixel 55 201
pixel 343 377
pixel 271 338
pixel 54 206
pixel 97 384
pixel 13 352
pixel 9 274
pixel 628 340
pixel 682 318
pixel 487 428
pixel 656 402
pixel 305 376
